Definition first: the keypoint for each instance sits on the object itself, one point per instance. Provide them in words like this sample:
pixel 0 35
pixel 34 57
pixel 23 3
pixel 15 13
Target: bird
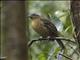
pixel 44 27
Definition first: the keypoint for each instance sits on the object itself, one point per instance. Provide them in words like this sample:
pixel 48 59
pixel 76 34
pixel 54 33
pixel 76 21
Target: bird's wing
pixel 51 27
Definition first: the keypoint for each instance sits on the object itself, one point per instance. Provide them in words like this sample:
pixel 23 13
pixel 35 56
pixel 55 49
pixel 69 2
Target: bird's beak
pixel 29 17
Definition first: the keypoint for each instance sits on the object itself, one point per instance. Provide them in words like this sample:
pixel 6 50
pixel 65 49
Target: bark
pixel 75 9
pixel 2 34
pixel 16 43
pixel 0 29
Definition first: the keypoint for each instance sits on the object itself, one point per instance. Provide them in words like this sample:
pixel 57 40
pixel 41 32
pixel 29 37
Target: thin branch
pixel 64 39
pixel 65 56
pixel 75 50
pixel 50 39
pixel 31 42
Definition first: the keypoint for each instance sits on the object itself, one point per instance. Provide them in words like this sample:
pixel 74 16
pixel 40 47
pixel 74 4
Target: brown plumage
pixel 45 28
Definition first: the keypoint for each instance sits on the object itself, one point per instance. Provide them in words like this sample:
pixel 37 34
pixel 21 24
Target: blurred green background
pixel 60 15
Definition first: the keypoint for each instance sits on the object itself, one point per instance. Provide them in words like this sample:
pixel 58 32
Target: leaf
pixel 56 51
pixel 42 56
pixel 68 24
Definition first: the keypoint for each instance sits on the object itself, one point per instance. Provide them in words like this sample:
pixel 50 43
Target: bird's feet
pixel 40 37
pixel 48 37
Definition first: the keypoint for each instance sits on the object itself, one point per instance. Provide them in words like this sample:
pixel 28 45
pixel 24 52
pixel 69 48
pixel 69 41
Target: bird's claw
pixel 40 37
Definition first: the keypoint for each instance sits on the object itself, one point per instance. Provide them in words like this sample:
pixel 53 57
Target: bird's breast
pixel 39 27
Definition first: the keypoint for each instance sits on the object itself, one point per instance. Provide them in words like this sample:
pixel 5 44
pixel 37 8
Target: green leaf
pixel 56 51
pixel 42 56
pixel 68 24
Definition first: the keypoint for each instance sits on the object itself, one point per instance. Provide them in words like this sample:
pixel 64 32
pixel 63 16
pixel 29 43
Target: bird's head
pixel 34 16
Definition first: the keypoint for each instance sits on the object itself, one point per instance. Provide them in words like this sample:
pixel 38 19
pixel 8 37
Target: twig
pixel 31 42
pixel 50 39
pixel 66 56
pixel 75 50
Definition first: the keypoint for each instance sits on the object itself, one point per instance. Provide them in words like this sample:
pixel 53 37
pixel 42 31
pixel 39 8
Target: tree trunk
pixel 16 43
pixel 75 9
pixel 2 34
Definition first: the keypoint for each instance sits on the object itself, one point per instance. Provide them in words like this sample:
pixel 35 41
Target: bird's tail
pixel 60 43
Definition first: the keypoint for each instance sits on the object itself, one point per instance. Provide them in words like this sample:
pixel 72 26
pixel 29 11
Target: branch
pixel 65 56
pixel 51 39
pixel 75 50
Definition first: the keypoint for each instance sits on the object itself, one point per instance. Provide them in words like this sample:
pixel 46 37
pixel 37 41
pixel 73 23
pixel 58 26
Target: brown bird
pixel 45 28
